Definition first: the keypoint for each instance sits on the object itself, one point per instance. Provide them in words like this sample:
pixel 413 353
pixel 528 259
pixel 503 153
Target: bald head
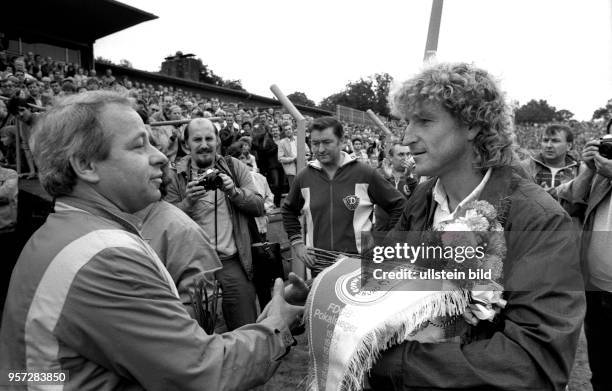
pixel 199 123
pixel 201 139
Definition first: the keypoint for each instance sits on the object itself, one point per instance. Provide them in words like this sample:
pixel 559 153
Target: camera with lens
pixel 605 143
pixel 210 180
pixel 605 146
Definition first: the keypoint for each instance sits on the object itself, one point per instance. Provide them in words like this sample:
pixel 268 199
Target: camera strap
pixel 215 219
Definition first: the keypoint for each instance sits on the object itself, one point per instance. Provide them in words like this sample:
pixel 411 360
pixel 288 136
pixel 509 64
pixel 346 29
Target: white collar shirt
pixel 443 212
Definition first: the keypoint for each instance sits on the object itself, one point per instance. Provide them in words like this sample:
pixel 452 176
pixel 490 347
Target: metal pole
pixel 297 267
pixel 180 121
pixel 301 125
pixel 431 46
pixel 378 122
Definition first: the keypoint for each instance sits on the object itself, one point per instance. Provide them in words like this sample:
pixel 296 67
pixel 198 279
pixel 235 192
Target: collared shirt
pixel 443 212
pixel 293 145
pixel 220 231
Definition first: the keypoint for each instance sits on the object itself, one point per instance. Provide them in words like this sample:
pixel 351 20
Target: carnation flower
pixel 484 208
pixel 477 223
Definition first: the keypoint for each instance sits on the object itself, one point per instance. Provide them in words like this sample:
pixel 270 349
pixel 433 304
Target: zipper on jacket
pixel 331 212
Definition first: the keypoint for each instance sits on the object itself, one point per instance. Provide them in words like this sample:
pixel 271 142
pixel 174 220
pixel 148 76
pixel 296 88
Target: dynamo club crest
pixel 351 202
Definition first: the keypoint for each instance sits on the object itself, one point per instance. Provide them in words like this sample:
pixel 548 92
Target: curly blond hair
pixel 472 97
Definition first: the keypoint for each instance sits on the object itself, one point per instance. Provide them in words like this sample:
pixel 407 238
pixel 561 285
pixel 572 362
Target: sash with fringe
pixel 348 327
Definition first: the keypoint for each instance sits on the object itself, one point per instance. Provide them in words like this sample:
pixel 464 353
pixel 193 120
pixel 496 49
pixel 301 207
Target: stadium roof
pixel 79 21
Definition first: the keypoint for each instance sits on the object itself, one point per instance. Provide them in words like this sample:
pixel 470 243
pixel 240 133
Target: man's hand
pixel 603 166
pixel 387 168
pixel 291 314
pixel 228 184
pixel 297 290
pixel 408 165
pixel 194 192
pixel 299 252
pixel 590 150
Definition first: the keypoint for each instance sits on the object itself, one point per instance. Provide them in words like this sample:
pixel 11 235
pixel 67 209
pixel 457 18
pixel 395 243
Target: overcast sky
pixel 558 50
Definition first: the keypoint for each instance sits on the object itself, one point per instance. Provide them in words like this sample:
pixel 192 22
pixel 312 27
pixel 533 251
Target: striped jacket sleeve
pixel 122 314
pixel 291 210
pixel 387 197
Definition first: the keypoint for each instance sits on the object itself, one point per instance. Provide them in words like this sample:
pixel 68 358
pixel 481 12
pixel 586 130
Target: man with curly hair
pixel 459 132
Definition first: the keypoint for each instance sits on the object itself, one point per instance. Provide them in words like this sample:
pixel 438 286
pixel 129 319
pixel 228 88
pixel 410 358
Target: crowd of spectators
pixel 38 80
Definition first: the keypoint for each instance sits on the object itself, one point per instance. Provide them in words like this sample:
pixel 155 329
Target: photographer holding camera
pixel 591 191
pixel 220 200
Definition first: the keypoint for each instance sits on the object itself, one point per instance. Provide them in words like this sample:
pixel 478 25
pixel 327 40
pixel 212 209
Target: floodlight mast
pixel 431 46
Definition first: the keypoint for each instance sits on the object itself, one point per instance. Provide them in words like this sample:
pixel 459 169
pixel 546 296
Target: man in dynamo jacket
pixel 337 210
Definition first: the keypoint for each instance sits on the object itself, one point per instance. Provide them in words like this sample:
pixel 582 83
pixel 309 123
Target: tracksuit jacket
pixel 89 296
pixel 337 210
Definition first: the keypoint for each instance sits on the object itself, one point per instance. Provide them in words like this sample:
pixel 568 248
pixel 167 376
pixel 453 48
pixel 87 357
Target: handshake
pixel 288 303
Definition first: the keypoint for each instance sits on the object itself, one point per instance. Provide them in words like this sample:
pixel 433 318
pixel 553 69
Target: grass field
pixel 291 374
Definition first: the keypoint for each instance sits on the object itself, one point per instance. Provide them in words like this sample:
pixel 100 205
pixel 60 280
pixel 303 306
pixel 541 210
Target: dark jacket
pixel 247 202
pixel 267 152
pixel 585 197
pixel 531 345
pixel 336 211
pixel 549 177
pixel 405 185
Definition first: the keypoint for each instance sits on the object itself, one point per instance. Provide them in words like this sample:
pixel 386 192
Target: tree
pixel 382 85
pixel 300 98
pixel 563 115
pixel 103 60
pixel 234 84
pixel 125 63
pixel 603 112
pixel 329 103
pixel 535 112
pixel 364 94
pixel 207 75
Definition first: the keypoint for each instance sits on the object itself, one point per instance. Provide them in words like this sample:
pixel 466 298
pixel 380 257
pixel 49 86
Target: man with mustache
pixel 223 213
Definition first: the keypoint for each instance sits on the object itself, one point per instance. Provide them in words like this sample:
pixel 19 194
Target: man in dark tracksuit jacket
pixel 336 207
